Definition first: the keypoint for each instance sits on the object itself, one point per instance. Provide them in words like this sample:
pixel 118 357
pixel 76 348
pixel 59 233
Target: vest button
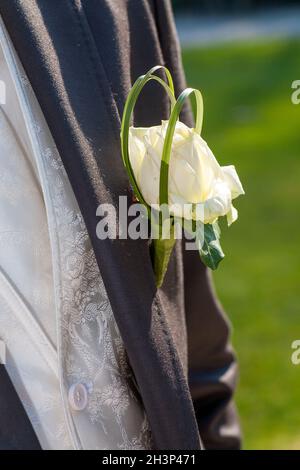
pixel 78 396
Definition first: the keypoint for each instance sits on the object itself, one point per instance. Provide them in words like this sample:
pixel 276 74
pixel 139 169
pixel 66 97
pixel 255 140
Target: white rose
pixel 195 176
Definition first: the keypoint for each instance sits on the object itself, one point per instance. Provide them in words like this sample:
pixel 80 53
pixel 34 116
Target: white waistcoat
pixel 65 355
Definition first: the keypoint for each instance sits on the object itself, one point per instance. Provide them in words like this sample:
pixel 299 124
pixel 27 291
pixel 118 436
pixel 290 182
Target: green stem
pixel 161 250
pixel 164 168
pixel 126 119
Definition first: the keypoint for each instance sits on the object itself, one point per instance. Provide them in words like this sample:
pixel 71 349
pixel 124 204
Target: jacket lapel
pixel 61 58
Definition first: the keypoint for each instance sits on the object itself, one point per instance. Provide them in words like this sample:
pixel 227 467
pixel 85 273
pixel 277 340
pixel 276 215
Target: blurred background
pixel 244 56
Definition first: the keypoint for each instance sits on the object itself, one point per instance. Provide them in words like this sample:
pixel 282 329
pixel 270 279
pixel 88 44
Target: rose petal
pixel 233 181
pixel 232 215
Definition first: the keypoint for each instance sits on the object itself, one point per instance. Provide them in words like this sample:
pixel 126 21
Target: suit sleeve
pixel 213 369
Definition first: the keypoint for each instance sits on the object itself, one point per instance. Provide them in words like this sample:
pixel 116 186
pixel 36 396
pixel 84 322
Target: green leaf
pixel 210 249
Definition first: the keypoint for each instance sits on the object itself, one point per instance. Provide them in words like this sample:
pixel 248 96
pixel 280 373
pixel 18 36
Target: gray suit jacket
pixel 81 57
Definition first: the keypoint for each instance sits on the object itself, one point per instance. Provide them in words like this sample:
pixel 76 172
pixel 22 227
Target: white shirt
pixel 64 353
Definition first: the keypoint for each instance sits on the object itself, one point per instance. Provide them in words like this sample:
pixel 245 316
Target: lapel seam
pixel 87 36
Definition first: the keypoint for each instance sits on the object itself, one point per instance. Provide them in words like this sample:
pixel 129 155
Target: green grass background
pixel 249 121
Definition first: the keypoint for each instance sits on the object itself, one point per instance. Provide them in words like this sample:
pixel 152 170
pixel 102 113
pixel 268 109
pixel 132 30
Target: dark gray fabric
pixel 16 432
pixel 81 58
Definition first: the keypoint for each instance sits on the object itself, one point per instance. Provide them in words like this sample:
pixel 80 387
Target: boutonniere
pixel 175 176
